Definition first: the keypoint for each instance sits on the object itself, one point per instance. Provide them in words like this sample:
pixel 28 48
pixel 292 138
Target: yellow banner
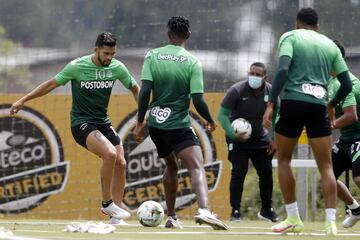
pixel 46 175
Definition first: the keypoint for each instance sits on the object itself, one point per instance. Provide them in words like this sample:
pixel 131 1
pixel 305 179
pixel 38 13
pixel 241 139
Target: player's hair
pixel 308 16
pixel 105 39
pixel 341 47
pixel 259 64
pixel 179 26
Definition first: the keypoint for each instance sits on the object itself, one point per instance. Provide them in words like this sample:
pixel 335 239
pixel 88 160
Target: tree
pixel 8 69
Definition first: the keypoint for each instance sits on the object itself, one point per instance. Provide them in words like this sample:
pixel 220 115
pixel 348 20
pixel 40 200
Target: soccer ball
pixel 150 213
pixel 241 125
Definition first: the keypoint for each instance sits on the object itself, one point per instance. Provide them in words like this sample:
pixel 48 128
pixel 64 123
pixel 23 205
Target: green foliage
pixel 6 45
pixel 12 74
pixel 51 23
pixel 141 23
pixel 251 202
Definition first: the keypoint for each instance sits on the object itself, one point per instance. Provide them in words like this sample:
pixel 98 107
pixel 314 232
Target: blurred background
pixel 39 37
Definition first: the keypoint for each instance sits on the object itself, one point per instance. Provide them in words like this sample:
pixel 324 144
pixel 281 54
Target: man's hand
pixel 267 118
pixel 15 108
pixel 210 127
pixel 331 113
pixel 139 131
pixel 271 148
pixel 241 137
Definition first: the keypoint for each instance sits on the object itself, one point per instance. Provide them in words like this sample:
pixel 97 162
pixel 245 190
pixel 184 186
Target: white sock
pixel 330 214
pixel 354 205
pixel 292 209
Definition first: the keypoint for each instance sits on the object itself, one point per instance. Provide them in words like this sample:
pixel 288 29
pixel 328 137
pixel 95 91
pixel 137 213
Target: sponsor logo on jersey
pixel 160 114
pixel 314 90
pixel 171 57
pixel 32 165
pixel 96 84
pixel 145 168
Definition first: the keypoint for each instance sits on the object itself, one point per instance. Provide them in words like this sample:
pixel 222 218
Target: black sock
pixel 355 211
pixel 106 203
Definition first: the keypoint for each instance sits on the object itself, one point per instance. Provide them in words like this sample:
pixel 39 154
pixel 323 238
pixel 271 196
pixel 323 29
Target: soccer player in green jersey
pixel 92 78
pixel 346 151
pixel 306 60
pixel 173 75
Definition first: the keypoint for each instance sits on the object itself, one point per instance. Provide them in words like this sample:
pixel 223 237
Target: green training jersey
pixel 352 99
pixel 176 74
pixel 313 56
pixel 91 87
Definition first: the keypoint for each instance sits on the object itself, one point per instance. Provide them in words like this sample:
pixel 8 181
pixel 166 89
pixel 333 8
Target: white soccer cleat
pixel 115 211
pixel 350 220
pixel 172 222
pixel 204 216
pixel 290 224
pixel 117 222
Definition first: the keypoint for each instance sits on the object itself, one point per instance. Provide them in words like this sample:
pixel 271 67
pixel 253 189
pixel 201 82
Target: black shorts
pixel 82 131
pixel 345 155
pixel 294 115
pixel 172 140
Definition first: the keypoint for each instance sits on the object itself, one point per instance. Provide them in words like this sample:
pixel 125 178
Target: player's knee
pixel 110 155
pixel 172 166
pixel 239 173
pixel 120 163
pixel 197 171
pixel 266 176
pixel 284 163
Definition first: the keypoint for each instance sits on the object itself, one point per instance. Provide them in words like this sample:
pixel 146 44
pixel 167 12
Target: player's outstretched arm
pixel 143 103
pixel 135 91
pixel 344 90
pixel 39 91
pixel 223 117
pixel 203 109
pixel 280 77
pixel 277 85
pixel 348 117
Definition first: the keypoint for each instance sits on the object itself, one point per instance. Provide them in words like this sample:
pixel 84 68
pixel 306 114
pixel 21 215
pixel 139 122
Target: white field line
pixel 160 226
pixel 22 238
pixel 346 234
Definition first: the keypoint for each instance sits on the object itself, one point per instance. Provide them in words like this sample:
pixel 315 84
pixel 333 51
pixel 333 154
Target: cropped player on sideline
pixel 173 74
pixel 306 60
pixel 346 150
pixel 92 78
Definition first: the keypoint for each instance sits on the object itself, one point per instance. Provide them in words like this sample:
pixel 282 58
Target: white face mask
pixel 255 82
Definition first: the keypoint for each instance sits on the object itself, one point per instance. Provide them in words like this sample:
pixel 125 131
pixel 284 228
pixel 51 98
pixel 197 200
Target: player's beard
pixel 103 63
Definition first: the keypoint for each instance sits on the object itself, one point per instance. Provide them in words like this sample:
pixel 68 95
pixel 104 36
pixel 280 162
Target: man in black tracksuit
pixel 248 99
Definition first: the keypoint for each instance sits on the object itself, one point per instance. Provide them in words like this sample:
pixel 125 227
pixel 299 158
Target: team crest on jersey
pixel 145 168
pixel 160 114
pixel 32 165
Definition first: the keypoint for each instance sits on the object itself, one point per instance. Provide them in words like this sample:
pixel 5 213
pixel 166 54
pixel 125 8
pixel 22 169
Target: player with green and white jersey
pixel 92 78
pixel 346 151
pixel 306 59
pixel 174 76
pixel 171 98
pixel 91 87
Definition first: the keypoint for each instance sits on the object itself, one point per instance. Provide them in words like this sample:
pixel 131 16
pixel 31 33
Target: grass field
pixel 36 230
